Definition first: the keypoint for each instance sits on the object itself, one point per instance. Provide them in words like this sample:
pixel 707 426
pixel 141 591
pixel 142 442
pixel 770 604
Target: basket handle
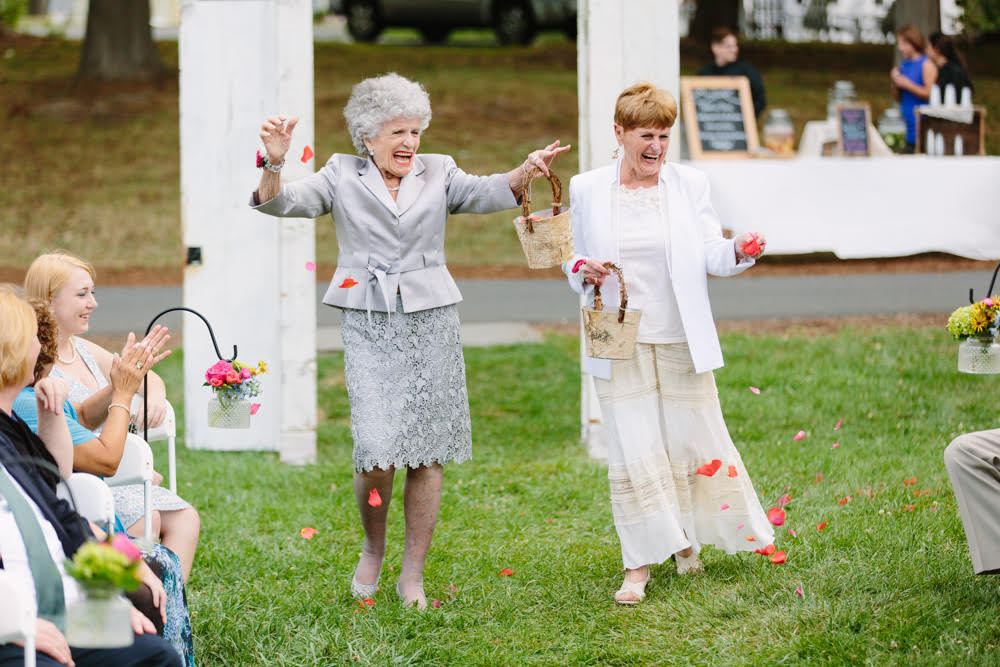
pixel 599 304
pixel 526 180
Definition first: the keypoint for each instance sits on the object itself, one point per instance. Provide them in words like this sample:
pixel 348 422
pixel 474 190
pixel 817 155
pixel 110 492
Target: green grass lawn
pixel 98 164
pixel 888 581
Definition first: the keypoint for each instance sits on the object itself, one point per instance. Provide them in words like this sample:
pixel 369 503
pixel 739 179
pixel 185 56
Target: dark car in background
pixel 513 21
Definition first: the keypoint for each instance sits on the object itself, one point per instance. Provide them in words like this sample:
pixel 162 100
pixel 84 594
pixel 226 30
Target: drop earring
pixel 616 153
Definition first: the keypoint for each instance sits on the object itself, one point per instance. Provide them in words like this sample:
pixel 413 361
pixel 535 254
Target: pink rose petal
pixel 435 604
pixel 310 266
pixel 798 591
pixel 254 407
pixel 308 533
pixel 835 445
pixel 839 422
pixel 739 527
pixel 792 533
pixel 784 500
pixel 724 507
pixel 755 390
pixel 799 435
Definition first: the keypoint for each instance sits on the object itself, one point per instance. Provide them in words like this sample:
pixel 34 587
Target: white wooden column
pixel 618 44
pixel 240 61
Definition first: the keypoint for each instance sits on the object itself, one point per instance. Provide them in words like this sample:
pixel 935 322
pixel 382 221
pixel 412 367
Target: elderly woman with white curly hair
pixel 403 362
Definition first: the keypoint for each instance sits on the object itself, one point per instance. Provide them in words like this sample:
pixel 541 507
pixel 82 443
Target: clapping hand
pixel 128 368
pixel 276 133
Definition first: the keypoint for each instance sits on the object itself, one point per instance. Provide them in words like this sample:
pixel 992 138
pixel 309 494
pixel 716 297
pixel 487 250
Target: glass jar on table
pixel 779 132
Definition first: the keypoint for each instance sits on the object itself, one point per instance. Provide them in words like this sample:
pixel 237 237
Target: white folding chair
pixel 165 431
pixel 136 467
pixel 91 498
pixel 17 616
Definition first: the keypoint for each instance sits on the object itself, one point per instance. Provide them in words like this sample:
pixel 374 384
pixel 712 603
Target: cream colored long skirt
pixel 662 422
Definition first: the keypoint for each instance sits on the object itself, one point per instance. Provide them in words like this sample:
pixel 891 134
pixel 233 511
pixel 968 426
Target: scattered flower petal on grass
pixel 710 469
pixel 819 477
pixel 821 526
pixel 307 154
pixel 310 266
pixel 778 558
pixel 374 499
pixel 910 482
pixel 755 390
pixel 837 426
pixel 308 533
pixel 550 521
pixel 577 264
pixel 799 435
pixel 732 471
pixel 367 602
pixel 254 407
pixel 765 551
pixel 798 591
pixel 776 516
pixel 435 604
pixel 784 500
pixel 792 533
pixel 348 283
pixel 506 572
pixel 451 589
pixel 835 445
pixel 844 500
pixel 724 506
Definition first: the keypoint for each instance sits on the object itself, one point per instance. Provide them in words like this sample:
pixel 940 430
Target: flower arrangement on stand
pixel 976 327
pixel 233 384
pixel 102 618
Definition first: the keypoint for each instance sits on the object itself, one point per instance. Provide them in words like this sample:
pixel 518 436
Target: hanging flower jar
pixel 233 385
pixel 976 327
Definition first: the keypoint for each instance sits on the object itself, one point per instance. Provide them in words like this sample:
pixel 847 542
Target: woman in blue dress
pixel 912 80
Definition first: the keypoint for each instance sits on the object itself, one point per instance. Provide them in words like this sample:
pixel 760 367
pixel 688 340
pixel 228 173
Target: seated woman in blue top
pixel 912 80
pixel 43 408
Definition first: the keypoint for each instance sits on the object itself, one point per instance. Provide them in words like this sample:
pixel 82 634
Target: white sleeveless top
pixel 642 250
pixel 79 392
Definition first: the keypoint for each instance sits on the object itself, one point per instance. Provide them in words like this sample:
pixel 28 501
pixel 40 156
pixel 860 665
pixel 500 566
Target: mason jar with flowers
pixel 102 616
pixel 233 385
pixel 976 327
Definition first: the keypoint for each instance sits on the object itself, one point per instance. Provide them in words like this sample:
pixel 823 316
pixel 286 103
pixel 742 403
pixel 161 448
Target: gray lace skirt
pixel 405 377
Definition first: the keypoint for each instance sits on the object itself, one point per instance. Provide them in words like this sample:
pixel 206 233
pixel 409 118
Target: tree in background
pixel 119 42
pixel 979 17
pixel 10 12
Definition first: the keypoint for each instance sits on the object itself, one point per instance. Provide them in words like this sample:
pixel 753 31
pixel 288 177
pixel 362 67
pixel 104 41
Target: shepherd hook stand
pixel 989 290
pixel 145 378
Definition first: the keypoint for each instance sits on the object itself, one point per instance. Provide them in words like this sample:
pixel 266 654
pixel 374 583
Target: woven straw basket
pixel 611 335
pixel 546 237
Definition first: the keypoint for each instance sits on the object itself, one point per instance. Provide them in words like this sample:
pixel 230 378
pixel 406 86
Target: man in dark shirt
pixel 726 55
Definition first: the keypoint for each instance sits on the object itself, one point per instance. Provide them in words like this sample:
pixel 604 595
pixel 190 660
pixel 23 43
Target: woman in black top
pixel 950 63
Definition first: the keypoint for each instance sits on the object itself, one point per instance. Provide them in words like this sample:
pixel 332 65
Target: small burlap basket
pixel 546 237
pixel 611 335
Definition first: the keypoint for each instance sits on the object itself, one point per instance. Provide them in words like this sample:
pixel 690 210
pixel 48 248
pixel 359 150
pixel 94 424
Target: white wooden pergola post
pixel 618 43
pixel 241 61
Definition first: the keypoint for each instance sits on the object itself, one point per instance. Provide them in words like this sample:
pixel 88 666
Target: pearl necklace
pixel 71 359
pixel 395 189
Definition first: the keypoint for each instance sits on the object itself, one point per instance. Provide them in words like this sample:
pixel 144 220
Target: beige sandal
pixel 637 588
pixel 688 564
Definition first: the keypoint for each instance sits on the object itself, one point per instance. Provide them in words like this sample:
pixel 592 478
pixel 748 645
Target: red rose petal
pixel 435 604
pixel 776 516
pixel 374 499
pixel 798 591
pixel 751 538
pixel 844 500
pixel 368 602
pixel 820 526
pixel 348 282
pixel 308 533
pixel 778 558
pixel 506 572
pixel 784 500
pixel 578 264
pixel 910 482
pixel 307 154
pixel 710 469
pixel 254 407
pixel 732 471
pixel 765 551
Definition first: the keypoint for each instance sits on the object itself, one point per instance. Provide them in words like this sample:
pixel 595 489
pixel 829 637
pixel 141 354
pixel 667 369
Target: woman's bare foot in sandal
pixel 633 589
pixel 688 561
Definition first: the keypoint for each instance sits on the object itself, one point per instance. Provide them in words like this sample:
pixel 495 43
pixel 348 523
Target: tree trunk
pixel 119 42
pixel 712 14
pixel 925 14
pixel 38 7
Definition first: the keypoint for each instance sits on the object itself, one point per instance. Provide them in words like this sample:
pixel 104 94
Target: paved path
pixel 502 311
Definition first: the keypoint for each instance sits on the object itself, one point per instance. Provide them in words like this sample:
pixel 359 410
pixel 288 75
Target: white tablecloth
pixel 863 207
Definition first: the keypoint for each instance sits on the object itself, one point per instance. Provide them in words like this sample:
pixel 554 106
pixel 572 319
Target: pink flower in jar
pixel 124 545
pixel 216 381
pixel 219 369
pixel 232 377
pixel 245 372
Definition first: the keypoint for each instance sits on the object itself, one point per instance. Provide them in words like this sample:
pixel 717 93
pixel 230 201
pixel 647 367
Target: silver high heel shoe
pixel 420 601
pixel 361 591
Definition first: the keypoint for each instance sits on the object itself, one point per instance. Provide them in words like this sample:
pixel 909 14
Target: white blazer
pixel 693 247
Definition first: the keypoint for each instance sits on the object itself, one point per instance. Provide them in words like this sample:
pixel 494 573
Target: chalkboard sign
pixel 853 120
pixel 718 116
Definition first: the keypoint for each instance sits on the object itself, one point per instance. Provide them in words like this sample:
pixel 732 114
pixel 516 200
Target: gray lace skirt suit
pixel 403 362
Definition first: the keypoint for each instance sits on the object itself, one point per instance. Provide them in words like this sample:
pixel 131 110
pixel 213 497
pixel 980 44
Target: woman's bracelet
pixel 265 163
pixel 122 406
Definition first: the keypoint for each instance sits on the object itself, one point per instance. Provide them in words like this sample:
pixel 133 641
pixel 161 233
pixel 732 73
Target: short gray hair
pixel 377 100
